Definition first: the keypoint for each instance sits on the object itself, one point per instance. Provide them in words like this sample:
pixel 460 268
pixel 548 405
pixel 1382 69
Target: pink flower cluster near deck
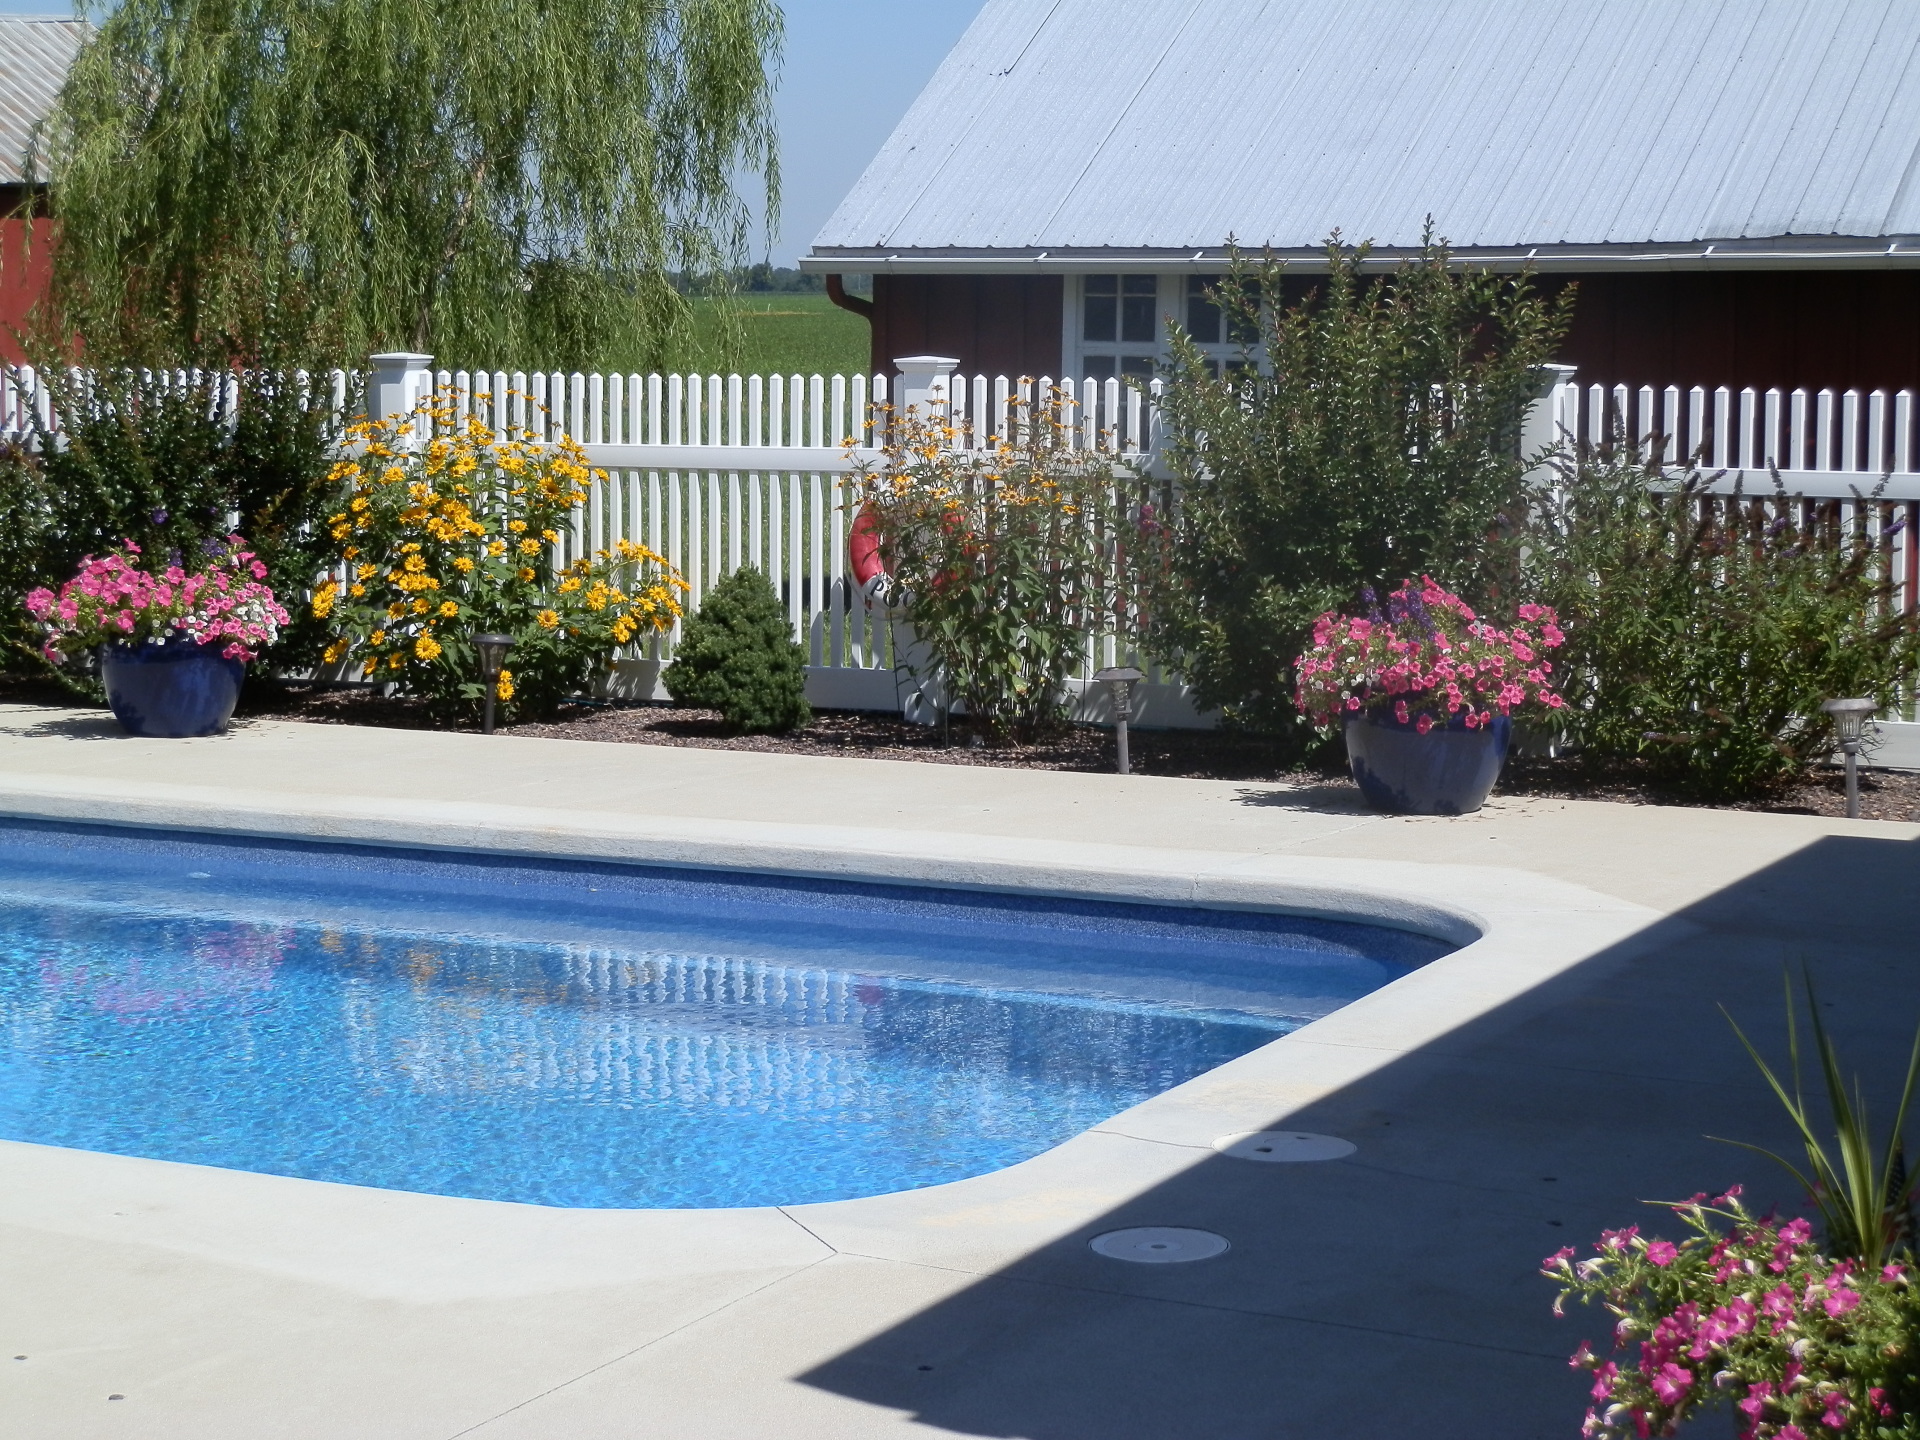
pixel 1746 1311
pixel 1430 660
pixel 112 600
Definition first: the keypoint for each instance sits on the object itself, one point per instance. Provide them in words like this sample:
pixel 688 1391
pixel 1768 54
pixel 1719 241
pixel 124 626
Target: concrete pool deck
pixel 1515 1096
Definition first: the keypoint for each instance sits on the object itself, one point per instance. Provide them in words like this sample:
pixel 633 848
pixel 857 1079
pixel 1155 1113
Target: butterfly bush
pixel 1428 660
pixel 1003 557
pixel 114 601
pixel 1745 1311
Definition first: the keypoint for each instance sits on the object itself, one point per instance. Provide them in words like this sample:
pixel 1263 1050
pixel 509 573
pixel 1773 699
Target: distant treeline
pixel 764 280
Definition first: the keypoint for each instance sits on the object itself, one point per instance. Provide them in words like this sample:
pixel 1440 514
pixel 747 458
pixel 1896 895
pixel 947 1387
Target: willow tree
pixel 477 180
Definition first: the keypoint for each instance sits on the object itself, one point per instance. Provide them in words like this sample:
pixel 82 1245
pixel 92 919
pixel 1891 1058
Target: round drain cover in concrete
pixel 1271 1146
pixel 1159 1245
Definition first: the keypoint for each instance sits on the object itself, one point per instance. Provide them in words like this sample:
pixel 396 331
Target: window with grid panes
pixel 1219 336
pixel 1120 327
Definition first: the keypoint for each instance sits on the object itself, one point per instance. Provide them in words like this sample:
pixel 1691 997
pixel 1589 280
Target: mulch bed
pixel 1186 754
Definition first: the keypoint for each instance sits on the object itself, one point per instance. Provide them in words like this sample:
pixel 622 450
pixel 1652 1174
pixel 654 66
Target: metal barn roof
pixel 1066 134
pixel 35 52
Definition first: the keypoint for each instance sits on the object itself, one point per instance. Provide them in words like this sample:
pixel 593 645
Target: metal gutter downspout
pixel 837 293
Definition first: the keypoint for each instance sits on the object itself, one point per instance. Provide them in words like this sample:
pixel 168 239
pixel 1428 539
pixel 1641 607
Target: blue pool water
pixel 606 1036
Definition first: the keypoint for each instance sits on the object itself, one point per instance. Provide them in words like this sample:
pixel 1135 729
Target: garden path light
pixel 1850 723
pixel 1119 680
pixel 492 650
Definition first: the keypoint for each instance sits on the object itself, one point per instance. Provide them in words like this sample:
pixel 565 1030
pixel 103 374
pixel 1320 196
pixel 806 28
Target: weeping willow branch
pixel 492 177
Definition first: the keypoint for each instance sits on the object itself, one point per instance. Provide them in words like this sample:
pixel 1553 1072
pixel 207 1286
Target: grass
pixel 781 334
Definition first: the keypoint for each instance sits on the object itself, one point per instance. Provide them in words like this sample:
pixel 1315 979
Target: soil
pixel 1186 754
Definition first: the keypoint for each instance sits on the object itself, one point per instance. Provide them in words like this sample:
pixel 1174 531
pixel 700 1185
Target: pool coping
pixel 1517 930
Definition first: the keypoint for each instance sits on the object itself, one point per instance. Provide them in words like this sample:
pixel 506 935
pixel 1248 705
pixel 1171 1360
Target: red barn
pixel 34 55
pixel 1735 185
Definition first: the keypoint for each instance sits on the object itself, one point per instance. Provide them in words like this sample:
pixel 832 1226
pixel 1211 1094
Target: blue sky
pixel 852 68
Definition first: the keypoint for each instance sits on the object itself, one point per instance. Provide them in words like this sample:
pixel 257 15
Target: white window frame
pixel 1170 301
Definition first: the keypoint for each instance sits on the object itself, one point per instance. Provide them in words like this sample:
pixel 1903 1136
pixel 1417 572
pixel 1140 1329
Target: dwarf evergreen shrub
pixel 737 655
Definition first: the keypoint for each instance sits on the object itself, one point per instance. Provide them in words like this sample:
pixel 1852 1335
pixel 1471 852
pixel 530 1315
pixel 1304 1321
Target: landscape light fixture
pixel 1850 724
pixel 492 650
pixel 1119 680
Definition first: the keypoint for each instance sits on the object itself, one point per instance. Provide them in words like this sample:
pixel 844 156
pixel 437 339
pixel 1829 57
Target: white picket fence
pixel 716 472
pixel 785 412
pixel 1848 462
pixel 1850 459
pixel 1826 444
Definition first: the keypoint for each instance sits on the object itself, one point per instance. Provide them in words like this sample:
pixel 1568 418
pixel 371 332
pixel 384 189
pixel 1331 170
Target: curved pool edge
pixel 1517 930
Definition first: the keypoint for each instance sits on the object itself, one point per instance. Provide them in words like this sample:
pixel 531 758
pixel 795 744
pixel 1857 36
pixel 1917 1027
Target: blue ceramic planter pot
pixel 171 689
pixel 1450 770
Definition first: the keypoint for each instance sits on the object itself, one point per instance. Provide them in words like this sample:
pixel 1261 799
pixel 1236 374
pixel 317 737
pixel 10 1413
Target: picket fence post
pixel 400 379
pixel 1541 426
pixel 923 383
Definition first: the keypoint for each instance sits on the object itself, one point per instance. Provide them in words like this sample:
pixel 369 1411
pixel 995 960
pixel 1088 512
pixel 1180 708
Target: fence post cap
pixel 1547 376
pixel 935 365
pixel 399 378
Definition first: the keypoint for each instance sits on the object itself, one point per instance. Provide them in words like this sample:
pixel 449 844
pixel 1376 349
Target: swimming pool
pixel 606 1036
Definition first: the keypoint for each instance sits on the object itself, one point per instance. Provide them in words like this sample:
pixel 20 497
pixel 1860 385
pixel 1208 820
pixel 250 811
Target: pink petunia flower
pixel 1671 1383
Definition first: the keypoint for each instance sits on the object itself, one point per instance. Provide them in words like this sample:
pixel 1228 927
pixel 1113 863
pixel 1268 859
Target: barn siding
pixel 1763 328
pixel 24 274
pixel 993 324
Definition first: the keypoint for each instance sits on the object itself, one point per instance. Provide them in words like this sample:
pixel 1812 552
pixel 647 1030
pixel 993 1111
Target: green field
pixel 784 334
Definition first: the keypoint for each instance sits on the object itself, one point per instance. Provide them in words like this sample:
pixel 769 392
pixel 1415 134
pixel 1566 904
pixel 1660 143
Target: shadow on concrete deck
pixel 1395 1294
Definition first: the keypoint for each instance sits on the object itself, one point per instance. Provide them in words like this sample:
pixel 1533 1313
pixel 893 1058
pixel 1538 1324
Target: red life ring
pixel 869 566
pixel 863 548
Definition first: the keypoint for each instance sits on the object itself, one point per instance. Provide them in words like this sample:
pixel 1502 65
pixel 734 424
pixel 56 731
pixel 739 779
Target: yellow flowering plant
pixel 452 529
pixel 1005 559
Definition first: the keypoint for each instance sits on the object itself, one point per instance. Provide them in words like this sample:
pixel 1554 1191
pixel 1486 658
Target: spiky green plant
pixel 1863 1190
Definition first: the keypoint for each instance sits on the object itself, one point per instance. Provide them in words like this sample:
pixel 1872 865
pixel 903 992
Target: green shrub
pixel 1702 634
pixel 737 655
pixel 174 464
pixel 1370 433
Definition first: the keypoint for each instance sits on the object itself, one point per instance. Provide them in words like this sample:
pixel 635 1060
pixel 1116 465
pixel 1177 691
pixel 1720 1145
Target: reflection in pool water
pixel 598 1036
